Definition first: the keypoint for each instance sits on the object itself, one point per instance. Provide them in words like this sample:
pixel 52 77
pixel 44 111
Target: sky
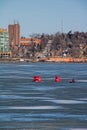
pixel 44 16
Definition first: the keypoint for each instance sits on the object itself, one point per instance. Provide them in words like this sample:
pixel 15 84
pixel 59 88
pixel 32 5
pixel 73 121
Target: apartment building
pixel 4 43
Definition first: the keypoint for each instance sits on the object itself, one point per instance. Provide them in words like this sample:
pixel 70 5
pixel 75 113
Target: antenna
pixel 62 26
pixel 14 21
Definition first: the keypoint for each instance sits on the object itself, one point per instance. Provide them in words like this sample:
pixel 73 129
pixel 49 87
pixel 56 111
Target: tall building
pixel 4 43
pixel 14 34
pixel 11 34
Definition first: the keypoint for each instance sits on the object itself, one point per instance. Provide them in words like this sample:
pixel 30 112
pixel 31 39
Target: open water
pixel 47 105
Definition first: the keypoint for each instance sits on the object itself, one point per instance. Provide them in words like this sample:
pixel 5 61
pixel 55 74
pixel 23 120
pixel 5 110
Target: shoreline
pixel 47 60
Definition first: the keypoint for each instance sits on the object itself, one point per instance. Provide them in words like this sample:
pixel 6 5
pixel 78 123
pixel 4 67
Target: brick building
pixel 29 41
pixel 14 34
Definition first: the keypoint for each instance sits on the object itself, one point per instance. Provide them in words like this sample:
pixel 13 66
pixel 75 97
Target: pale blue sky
pixel 44 16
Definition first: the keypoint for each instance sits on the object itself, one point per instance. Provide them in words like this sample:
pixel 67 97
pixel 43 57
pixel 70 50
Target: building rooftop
pixel 3 30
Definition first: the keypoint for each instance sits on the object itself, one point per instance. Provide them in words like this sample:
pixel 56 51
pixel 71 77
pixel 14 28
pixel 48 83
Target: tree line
pixel 58 44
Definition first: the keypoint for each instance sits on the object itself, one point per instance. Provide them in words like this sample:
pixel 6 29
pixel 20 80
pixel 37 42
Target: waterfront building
pixel 14 34
pixel 4 43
